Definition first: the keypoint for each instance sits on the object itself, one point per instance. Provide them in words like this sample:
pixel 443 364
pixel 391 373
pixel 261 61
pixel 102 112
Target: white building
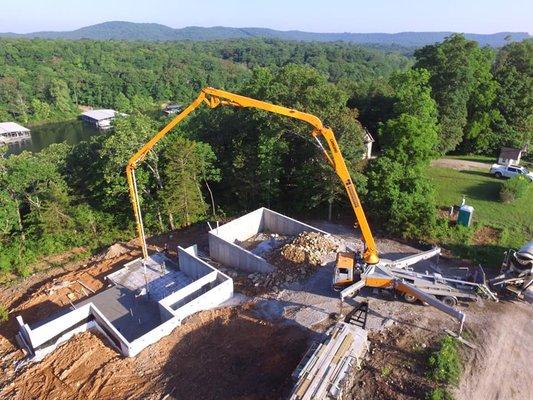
pixel 510 155
pixel 368 140
pixel 13 132
pixel 100 118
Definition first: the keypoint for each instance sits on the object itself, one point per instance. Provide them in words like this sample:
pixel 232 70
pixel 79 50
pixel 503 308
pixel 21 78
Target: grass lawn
pixel 514 220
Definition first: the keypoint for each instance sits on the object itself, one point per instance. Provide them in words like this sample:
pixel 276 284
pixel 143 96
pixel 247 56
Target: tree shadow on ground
pixel 235 357
pixel 477 173
pixel 37 313
pixel 487 191
pixel 489 256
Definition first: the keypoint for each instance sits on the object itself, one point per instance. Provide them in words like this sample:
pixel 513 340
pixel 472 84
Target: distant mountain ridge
pixel 121 30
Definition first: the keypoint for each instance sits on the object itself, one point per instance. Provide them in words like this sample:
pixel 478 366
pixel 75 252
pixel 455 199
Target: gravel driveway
pixel 460 165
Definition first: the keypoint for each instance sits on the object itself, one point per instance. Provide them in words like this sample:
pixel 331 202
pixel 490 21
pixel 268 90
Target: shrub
pixel 386 371
pixel 514 188
pixel 448 233
pixel 3 313
pixel 439 394
pixel 22 270
pixel 445 365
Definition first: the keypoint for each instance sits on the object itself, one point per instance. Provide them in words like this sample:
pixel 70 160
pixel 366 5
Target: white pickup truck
pixel 508 171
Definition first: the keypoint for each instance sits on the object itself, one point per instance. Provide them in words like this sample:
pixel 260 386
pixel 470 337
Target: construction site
pixel 265 306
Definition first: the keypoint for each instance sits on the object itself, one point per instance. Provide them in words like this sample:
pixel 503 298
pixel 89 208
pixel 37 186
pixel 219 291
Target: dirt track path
pixel 501 368
pixel 460 165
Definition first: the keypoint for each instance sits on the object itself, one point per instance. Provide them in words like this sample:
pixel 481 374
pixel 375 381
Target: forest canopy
pixel 450 96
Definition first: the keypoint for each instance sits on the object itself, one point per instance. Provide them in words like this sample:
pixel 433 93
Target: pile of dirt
pixel 295 260
pixel 114 251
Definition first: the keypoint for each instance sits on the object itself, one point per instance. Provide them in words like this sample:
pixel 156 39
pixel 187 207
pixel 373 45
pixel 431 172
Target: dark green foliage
pixel 452 234
pixel 187 164
pixel 271 160
pixel 46 80
pixel 514 188
pixel 451 81
pixel 484 97
pixel 66 197
pixel 513 70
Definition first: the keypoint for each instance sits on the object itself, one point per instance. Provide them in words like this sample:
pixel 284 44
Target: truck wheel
pixel 449 301
pixel 409 298
pixel 498 175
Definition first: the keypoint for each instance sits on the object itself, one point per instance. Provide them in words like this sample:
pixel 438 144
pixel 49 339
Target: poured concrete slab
pixel 137 273
pixel 130 314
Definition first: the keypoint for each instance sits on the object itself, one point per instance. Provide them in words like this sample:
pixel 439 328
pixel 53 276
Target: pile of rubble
pixel 308 248
pixel 295 260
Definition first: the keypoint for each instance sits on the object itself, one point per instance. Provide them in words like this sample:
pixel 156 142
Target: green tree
pixel 36 205
pixel 187 165
pixel 399 196
pixel 513 71
pixel 452 82
pixel 12 98
pixel 40 109
pixel 483 117
pixel 122 103
pixel 294 159
pixel 129 134
pixel 142 104
pixel 60 96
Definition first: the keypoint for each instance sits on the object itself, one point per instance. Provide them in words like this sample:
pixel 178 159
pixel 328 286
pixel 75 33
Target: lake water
pixel 72 132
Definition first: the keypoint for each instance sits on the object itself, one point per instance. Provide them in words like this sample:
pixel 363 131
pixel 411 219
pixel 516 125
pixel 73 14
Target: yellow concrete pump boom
pixel 214 98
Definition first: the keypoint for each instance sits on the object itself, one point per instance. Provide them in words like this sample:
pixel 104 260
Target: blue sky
pixel 478 16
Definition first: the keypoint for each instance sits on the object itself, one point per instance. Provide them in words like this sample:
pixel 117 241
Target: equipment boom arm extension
pixel 214 98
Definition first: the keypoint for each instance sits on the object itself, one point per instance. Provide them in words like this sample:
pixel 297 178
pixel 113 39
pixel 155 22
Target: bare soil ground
pixel 234 353
pixel 396 366
pixel 501 368
pixel 220 354
pixel 405 334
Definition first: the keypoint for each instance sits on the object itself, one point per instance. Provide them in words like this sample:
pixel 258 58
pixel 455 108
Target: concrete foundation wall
pixel 209 289
pixel 47 331
pixel 235 256
pixel 189 264
pixel 151 337
pixel 278 223
pixel 223 249
pixel 241 228
pixel 165 312
pixel 214 297
pixel 188 290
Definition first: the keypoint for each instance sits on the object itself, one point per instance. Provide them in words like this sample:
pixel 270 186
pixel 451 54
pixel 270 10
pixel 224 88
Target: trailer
pixel 441 292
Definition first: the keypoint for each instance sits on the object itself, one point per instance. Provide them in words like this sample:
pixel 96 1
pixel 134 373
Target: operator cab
pixel 344 270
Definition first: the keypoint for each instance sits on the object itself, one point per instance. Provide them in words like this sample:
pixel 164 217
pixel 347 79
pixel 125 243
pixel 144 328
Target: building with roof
pixel 171 109
pixel 100 118
pixel 510 156
pixel 13 132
